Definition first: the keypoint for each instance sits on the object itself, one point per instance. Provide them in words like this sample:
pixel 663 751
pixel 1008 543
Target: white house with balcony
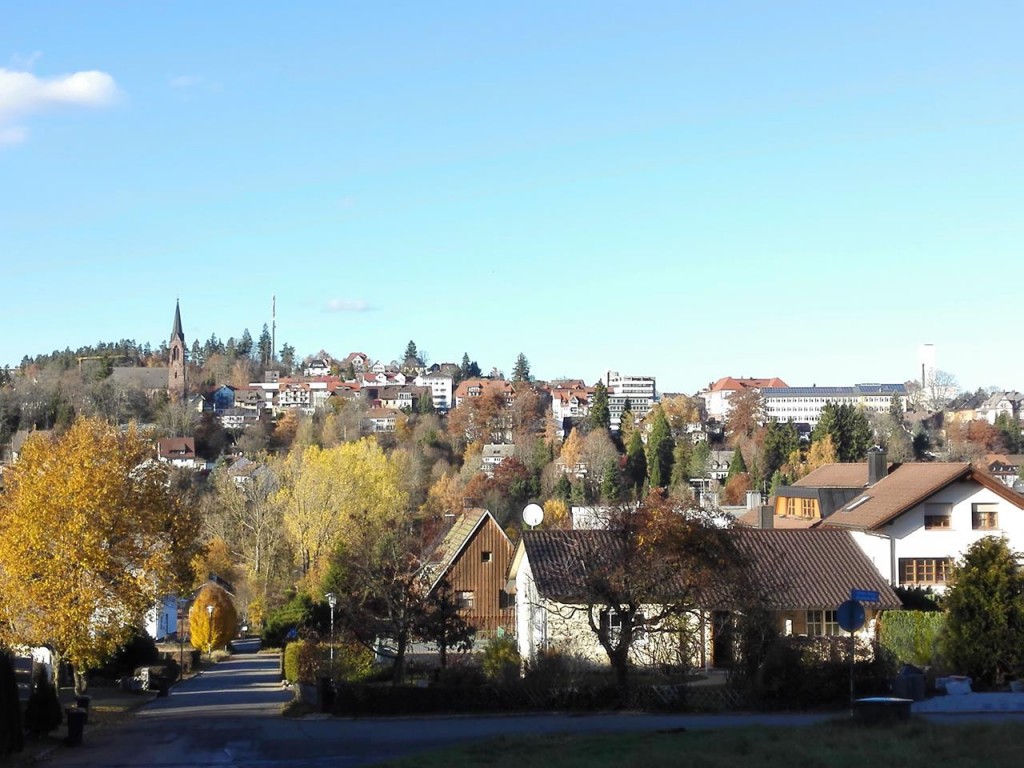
pixel 442 388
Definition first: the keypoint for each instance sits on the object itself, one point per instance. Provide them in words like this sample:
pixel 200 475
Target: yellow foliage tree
pixel 90 537
pixel 572 450
pixel 212 629
pixel 321 489
pixel 556 514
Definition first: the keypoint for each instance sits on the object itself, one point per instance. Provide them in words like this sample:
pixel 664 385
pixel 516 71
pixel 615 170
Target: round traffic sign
pixel 850 615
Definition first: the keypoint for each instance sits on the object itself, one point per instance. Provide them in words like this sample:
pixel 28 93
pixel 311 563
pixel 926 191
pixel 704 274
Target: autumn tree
pixel 212 619
pixel 377 573
pixel 643 575
pixel 91 536
pixel 322 490
pixel 746 413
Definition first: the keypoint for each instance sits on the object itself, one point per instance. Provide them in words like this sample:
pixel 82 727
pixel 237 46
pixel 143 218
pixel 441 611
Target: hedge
pixel 912 636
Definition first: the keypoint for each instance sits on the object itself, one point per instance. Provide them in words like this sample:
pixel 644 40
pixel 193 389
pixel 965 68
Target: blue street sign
pixel 864 595
pixel 850 616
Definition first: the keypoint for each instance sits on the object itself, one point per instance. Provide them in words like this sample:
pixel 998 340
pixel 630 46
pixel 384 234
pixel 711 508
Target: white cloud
pixel 23 94
pixel 347 305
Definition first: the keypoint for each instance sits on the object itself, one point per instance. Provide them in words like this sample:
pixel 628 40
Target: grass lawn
pixel 839 745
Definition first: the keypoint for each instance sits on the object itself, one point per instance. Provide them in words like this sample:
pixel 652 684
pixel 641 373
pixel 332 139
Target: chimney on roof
pixel 766 516
pixel 878 465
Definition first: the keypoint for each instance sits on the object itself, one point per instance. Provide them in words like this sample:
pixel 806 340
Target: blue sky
pixel 684 190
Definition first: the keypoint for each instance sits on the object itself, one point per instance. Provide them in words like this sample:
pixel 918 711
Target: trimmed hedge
pixel 912 636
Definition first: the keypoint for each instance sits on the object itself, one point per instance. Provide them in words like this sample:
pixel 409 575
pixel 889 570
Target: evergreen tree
pixel 699 460
pixel 611 484
pixel 737 466
pixel 411 351
pixel 660 445
pixel 849 428
pixel 244 345
pixel 681 456
pixel 600 417
pixel 265 346
pixel 636 462
pixel 780 440
pixel 521 370
pixel 984 634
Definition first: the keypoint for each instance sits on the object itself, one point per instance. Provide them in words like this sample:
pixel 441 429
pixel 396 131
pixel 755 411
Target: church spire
pixel 176 332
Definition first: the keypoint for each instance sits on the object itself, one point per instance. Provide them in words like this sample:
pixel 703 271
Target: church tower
pixel 176 361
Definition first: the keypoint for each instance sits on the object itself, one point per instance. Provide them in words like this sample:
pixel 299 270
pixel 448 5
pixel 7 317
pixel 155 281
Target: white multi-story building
pixel 804 404
pixel 638 393
pixel 442 387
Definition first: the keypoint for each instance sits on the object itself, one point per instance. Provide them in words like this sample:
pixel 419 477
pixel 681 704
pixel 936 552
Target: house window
pixel 925 570
pixel 485 557
pixel 465 600
pixel 938 516
pixel 984 517
pixel 822 623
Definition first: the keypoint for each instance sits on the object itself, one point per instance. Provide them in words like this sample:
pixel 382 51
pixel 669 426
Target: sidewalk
pixel 970 703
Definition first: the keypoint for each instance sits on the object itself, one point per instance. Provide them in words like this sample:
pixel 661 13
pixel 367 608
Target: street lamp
pixel 332 600
pixel 209 627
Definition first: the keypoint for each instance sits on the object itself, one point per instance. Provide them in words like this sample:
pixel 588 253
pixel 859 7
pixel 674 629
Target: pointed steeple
pixel 176 332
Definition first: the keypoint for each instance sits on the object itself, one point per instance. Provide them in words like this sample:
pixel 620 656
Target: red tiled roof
pixel 903 488
pixel 735 385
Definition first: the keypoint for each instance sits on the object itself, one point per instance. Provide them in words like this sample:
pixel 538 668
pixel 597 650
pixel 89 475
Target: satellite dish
pixel 533 514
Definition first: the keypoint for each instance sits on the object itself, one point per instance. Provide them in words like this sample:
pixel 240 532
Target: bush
pixel 796 677
pixel 556 668
pixel 353 662
pixel 461 673
pixel 501 660
pixel 913 637
pixel 212 630
pixel 303 659
pixel 43 712
pixel 298 613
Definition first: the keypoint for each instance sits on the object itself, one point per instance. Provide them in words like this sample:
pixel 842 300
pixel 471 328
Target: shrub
pixel 912 636
pixel 302 660
pixel 10 708
pixel 557 668
pixel 212 630
pixel 353 662
pixel 461 673
pixel 501 659
pixel 43 712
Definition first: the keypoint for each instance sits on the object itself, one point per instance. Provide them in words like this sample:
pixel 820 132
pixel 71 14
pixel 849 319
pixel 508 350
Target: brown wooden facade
pixel 477 575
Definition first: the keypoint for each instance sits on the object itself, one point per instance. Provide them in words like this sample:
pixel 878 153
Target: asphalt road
pixel 230 716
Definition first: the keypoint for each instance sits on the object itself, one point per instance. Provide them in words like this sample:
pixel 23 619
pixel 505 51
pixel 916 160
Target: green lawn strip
pixel 840 745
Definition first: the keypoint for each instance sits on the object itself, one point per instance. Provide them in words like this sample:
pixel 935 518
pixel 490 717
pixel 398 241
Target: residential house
pixel 318 366
pixel 912 520
pixel 492 456
pixel 474 557
pixel 442 388
pixel 471 388
pixel 806 575
pixel 180 452
pixel 358 360
pixel 1006 468
pixel 569 406
pixel 716 397
pixel 1009 404
pixel 383 419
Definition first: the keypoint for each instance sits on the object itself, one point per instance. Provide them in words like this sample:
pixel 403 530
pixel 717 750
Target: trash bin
pixel 325 694
pixel 82 702
pixel 909 683
pixel 76 725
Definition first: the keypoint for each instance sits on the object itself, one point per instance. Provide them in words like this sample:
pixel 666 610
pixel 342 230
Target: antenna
pixel 533 515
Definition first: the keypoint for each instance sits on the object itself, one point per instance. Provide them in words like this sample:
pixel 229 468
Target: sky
pixel 685 190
